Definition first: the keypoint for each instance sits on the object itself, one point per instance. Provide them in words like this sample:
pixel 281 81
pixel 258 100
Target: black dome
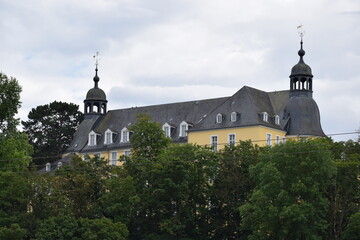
pixel 304 116
pixel 96 94
pixel 301 69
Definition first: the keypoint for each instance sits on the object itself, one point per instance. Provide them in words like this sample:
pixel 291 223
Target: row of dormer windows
pixel 235 116
pixel 109 137
pixel 169 129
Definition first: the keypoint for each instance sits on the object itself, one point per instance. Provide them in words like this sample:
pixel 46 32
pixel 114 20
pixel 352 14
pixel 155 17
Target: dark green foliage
pixel 148 139
pixel 50 129
pixel 70 228
pixel 289 200
pixel 14 232
pixel 352 232
pixel 9 103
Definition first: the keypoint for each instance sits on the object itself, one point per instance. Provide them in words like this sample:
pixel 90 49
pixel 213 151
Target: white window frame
pixel 277 139
pixel 127 152
pixel 108 139
pixel 183 126
pixel 232 139
pixel 265 116
pixel 219 118
pixel 277 120
pixel 233 117
pixel 214 142
pixel 92 139
pixel 48 167
pixel 113 158
pixel 284 139
pixel 125 135
pixel 268 139
pixel 167 129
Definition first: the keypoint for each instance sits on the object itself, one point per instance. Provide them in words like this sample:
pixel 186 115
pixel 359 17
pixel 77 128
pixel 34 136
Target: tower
pixel 301 113
pixel 95 102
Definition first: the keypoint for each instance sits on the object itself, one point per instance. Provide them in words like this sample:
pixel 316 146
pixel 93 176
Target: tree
pixel 9 103
pixel 50 129
pixel 290 197
pixel 232 188
pixel 148 139
pixel 352 232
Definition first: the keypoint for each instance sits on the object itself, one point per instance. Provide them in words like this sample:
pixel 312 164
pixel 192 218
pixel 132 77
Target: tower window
pixel 219 118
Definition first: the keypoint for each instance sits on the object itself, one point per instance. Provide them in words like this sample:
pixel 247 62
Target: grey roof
pixel 299 115
pixel 96 94
pixel 250 103
pixel 54 166
pixel 301 68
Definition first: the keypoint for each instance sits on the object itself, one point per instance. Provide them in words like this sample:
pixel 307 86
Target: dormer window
pixel 48 167
pixel 219 118
pixel 167 128
pixel 233 116
pixel 59 165
pixel 184 127
pixel 125 135
pixel 265 116
pixel 108 137
pixel 277 120
pixel 92 139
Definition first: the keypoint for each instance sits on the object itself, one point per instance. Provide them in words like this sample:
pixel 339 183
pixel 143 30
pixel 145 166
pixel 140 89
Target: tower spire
pixel 96 77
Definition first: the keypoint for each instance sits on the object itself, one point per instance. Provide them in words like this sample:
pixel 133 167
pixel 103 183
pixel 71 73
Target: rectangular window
pixel 167 131
pixel 92 140
pixel 125 136
pixel 284 139
pixel 113 158
pixel 277 139
pixel 127 153
pixel 183 129
pixel 268 139
pixel 108 139
pixel 214 143
pixel 232 139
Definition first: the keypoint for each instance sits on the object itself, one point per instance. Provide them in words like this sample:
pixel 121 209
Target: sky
pixel 164 51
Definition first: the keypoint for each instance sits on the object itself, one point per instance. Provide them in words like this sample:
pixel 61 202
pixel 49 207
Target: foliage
pixel 232 188
pixel 148 139
pixel 66 227
pixel 289 200
pixel 14 232
pixel 352 232
pixel 50 129
pixel 9 103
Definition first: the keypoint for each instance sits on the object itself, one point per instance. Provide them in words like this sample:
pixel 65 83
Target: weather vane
pixel 96 57
pixel 301 31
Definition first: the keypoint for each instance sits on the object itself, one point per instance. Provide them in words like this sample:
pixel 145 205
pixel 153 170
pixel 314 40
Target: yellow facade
pixel 259 135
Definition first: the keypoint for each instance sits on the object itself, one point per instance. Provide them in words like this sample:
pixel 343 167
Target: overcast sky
pixel 162 51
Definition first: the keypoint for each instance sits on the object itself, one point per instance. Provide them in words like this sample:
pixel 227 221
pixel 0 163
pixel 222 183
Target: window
pixel 277 139
pixel 214 142
pixel 268 139
pixel 48 167
pixel 167 129
pixel 265 116
pixel 97 155
pixel 124 135
pixel 127 153
pixel 219 118
pixel 59 165
pixel 92 138
pixel 184 127
pixel 284 139
pixel 108 137
pixel 277 120
pixel 113 158
pixel 233 116
pixel 232 139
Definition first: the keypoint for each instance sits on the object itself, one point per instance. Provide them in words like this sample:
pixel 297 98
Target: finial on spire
pixel 96 57
pixel 301 33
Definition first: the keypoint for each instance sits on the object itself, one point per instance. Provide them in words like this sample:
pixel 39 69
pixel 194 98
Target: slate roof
pixel 299 115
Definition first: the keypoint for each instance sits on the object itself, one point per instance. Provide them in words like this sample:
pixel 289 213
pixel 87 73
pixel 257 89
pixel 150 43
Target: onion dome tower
pixel 95 102
pixel 301 112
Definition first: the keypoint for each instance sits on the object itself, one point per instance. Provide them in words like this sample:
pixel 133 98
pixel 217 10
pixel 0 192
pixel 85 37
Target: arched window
pixel 124 135
pixel 92 139
pixel 233 116
pixel 108 137
pixel 277 120
pixel 219 118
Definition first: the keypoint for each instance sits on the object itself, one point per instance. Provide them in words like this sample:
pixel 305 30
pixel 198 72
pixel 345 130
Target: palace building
pixel 265 118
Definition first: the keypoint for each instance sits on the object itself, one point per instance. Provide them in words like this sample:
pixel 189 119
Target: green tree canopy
pixel 9 103
pixel 290 197
pixel 51 128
